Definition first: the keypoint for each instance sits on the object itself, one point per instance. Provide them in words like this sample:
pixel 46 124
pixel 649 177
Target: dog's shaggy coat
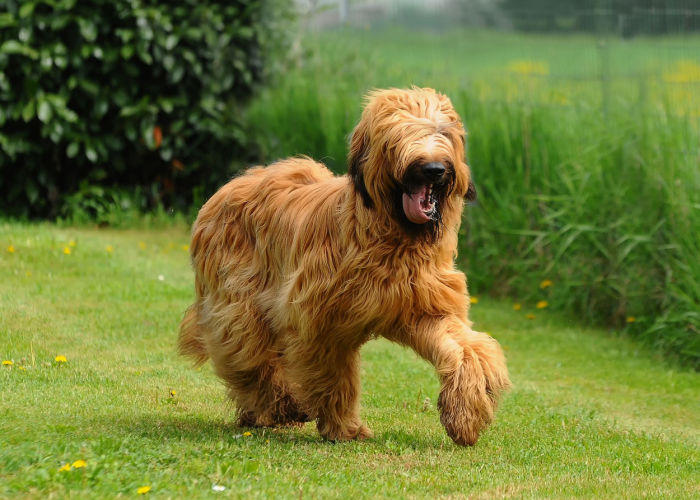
pixel 295 269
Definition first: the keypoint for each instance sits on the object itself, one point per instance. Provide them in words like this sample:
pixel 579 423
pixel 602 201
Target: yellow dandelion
pixel 546 284
pixel 247 434
pixel 79 464
pixel 517 306
pixel 631 319
pixel 684 71
pixel 186 248
pixel 142 245
pixel 143 490
pixel 66 250
pixel 530 316
pixel 65 468
pixel 542 304
pixel 539 68
pixel 11 249
pixel 173 393
pixel 22 368
pixel 474 300
pixel 109 248
pixel 60 359
pixel 28 274
pixel 71 243
pixel 8 362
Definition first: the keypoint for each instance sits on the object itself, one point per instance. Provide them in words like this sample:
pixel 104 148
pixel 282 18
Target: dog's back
pixel 243 238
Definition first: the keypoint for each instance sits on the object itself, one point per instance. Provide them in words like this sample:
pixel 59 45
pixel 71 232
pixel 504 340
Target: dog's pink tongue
pixel 412 208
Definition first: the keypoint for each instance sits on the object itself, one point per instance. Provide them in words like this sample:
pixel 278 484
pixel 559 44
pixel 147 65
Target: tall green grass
pixel 594 186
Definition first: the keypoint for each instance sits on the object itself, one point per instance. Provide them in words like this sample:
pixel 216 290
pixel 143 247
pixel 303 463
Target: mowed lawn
pixel 591 415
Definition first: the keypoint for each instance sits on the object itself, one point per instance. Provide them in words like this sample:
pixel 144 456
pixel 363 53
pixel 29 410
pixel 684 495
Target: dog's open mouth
pixel 419 206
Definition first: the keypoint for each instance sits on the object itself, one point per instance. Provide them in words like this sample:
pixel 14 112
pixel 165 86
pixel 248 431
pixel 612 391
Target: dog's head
pixel 407 159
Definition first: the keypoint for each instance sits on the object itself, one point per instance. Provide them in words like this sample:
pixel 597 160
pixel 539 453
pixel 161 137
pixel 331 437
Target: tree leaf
pixel 44 112
pixel 72 150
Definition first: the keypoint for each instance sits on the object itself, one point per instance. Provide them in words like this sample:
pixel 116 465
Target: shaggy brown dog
pixel 295 269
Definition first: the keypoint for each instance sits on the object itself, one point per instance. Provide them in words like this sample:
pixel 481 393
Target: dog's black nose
pixel 434 170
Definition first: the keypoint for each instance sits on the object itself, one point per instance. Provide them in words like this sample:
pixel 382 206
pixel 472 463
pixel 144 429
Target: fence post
pixel 603 29
pixel 343 11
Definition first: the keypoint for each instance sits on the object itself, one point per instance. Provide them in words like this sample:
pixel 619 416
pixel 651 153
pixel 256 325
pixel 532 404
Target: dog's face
pixel 407 159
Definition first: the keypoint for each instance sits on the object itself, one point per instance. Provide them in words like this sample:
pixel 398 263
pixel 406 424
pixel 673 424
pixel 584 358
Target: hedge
pixel 135 95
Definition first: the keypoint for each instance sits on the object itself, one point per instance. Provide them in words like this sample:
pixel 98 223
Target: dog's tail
pixel 190 342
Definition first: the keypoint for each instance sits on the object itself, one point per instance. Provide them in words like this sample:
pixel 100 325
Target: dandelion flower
pixel 142 245
pixel 186 248
pixel 60 359
pixel 66 250
pixel 28 274
pixel 631 319
pixel 143 490
pixel 11 249
pixel 8 362
pixel 542 304
pixel 474 300
pixel 65 468
pixel 79 464
pixel 173 393
pixel 527 68
pixel 530 316
pixel 22 368
pixel 517 306
pixel 546 284
pixel 247 434
pixel 109 248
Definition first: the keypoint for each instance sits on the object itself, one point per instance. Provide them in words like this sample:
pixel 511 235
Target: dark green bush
pixel 134 95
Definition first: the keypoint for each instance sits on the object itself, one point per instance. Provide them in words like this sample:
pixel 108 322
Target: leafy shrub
pixel 127 93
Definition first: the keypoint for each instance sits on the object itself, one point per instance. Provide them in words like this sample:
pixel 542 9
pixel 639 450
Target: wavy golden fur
pixel 295 269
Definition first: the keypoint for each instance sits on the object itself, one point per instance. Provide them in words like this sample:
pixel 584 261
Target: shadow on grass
pixel 202 430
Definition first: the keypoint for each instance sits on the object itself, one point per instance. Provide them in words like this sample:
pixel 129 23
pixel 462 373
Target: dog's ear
pixel 471 192
pixel 356 160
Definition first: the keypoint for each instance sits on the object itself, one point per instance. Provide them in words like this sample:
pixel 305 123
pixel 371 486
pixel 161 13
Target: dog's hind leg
pixel 262 400
pixel 327 382
pixel 242 349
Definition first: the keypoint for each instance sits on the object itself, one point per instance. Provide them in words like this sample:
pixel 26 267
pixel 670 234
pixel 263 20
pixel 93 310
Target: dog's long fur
pixel 295 269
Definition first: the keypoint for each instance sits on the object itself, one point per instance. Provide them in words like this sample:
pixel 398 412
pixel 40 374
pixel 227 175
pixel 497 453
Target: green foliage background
pixel 102 96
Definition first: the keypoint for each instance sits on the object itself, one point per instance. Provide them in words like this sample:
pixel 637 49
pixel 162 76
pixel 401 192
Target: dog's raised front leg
pixel 327 380
pixel 472 372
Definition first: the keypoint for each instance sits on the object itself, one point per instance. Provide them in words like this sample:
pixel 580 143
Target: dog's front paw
pixel 470 393
pixel 463 418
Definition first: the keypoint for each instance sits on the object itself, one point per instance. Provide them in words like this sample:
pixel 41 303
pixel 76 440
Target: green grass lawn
pixel 590 415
